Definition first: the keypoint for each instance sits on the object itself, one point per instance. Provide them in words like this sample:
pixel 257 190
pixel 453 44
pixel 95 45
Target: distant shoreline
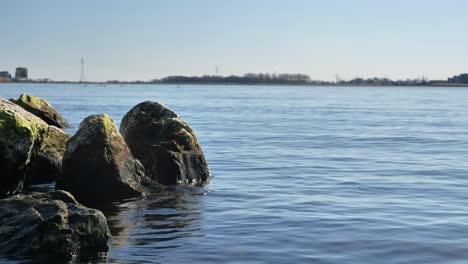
pixel 282 79
pixel 244 84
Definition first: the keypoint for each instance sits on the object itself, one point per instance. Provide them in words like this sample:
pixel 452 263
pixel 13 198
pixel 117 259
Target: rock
pixel 165 145
pixel 46 163
pixel 28 148
pixel 42 109
pixel 51 224
pixel 98 167
pixel 19 132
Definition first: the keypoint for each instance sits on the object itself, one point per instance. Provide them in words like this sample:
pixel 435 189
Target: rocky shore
pixel 98 166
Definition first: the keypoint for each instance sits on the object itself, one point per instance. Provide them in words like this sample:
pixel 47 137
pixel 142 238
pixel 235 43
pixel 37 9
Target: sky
pixel 147 39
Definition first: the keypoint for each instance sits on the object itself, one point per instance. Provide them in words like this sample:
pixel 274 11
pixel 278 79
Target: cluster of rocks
pixel 97 166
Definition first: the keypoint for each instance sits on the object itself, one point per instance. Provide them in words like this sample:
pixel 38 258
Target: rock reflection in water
pixel 156 221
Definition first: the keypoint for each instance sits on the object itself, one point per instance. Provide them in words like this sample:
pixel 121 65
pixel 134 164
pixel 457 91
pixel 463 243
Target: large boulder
pixel 29 148
pixel 98 167
pixel 51 224
pixel 42 109
pixel 166 145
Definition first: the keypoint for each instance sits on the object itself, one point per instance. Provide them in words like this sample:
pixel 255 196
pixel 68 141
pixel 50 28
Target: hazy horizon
pixel 143 40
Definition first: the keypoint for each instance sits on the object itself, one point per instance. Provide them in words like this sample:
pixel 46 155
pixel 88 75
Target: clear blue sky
pixel 146 39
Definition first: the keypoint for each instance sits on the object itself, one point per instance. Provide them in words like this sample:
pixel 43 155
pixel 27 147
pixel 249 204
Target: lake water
pixel 301 174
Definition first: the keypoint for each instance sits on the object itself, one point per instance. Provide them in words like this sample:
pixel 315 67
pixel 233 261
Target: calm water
pixel 301 174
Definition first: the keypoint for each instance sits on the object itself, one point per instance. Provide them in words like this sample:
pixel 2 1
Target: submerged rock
pixel 28 148
pixel 98 167
pixel 166 145
pixel 52 224
pixel 42 109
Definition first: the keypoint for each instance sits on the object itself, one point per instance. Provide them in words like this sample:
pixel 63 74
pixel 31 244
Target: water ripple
pixel 302 174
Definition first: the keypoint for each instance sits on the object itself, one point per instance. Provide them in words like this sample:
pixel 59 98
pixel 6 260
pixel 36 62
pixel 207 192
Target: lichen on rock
pixel 20 131
pixel 46 163
pixel 41 108
pixel 25 139
pixel 98 167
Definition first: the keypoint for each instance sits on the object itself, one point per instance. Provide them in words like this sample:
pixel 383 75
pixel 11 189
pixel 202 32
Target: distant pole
pixel 217 70
pixel 82 78
pixel 337 78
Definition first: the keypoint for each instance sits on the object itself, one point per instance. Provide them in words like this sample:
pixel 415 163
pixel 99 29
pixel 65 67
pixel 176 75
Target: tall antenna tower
pixel 82 78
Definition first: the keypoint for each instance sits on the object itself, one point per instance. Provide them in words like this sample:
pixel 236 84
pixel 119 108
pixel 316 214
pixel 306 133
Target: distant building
pixel 5 74
pixel 462 78
pixel 21 73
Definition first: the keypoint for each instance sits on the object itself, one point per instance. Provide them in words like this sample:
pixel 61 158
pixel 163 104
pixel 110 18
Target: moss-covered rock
pixel 98 167
pixel 25 139
pixel 42 109
pixel 51 224
pixel 20 132
pixel 165 145
pixel 46 162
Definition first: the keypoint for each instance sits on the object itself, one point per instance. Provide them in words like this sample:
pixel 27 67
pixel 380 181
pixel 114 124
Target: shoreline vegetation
pixel 271 79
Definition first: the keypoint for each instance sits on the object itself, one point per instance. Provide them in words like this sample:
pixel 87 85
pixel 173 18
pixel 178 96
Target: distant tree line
pixel 292 79
pixel 249 78
pixel 285 79
pixel 384 81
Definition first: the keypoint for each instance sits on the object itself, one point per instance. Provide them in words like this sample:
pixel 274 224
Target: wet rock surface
pixel 98 167
pixel 42 109
pixel 52 224
pixel 46 162
pixel 166 145
pixel 28 148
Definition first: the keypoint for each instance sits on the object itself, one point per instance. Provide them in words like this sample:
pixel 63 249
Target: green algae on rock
pixel 23 138
pixel 46 164
pixel 42 109
pixel 20 131
pixel 98 167
pixel 166 145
